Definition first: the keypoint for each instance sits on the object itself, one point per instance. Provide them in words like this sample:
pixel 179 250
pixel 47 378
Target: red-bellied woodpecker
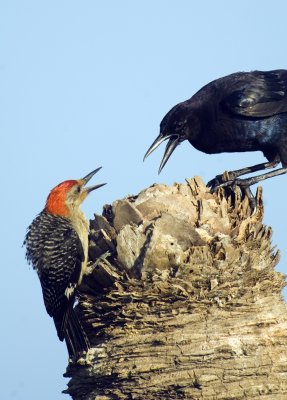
pixel 57 247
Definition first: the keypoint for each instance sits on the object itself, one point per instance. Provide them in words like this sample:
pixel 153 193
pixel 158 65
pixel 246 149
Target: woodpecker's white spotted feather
pixel 57 247
pixel 55 251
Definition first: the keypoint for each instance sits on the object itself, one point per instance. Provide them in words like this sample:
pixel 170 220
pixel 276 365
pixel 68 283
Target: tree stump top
pixel 182 300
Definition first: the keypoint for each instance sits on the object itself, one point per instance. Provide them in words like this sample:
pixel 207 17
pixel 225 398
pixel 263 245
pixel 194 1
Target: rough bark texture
pixel 186 304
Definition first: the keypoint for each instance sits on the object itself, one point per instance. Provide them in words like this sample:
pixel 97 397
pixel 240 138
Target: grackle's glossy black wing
pixel 257 94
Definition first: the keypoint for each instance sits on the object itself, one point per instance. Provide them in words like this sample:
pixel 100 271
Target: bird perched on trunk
pixel 57 247
pixel 244 111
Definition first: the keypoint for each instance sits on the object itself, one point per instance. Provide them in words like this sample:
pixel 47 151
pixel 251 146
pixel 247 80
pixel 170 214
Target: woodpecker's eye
pixel 78 189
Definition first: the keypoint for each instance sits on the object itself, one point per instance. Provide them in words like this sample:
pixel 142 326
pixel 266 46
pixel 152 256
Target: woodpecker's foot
pixel 103 257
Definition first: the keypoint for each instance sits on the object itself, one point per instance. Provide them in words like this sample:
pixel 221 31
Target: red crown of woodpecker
pixel 56 201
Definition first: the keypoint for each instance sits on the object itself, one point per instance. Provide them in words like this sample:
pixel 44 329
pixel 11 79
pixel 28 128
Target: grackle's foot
pixel 215 183
pixel 232 183
pixel 224 181
pixel 220 180
pixel 244 185
pixel 252 201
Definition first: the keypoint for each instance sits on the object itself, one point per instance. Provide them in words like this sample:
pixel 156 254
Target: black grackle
pixel 244 111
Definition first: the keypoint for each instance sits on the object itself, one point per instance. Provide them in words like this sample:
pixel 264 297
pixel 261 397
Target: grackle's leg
pixel 219 180
pixel 247 191
pixel 243 183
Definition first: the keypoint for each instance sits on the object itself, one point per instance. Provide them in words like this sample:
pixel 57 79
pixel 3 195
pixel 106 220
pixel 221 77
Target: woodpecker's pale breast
pixel 81 226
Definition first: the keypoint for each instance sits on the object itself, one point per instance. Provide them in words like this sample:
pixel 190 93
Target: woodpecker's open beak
pixel 174 141
pixel 86 179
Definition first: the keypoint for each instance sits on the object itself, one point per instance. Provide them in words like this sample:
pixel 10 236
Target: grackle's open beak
pixel 174 141
pixel 171 145
pixel 161 138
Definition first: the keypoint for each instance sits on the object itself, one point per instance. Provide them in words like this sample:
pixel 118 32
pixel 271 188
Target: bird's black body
pixel 55 251
pixel 245 111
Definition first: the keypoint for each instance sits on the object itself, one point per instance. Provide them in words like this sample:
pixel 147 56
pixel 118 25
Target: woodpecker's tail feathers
pixel 75 336
pixel 69 327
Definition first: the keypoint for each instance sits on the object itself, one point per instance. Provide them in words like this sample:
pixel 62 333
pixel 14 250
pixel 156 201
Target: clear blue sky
pixel 85 84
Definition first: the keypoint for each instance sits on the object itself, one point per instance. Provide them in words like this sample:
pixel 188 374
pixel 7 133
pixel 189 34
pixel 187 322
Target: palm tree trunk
pixel 186 304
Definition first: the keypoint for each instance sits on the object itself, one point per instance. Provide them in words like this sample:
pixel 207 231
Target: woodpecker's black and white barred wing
pixel 55 251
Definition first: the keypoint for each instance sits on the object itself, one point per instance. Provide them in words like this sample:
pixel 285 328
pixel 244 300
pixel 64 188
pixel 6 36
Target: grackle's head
pixel 177 125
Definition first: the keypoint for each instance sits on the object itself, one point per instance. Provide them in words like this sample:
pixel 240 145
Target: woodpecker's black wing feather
pixel 256 94
pixel 55 251
pixel 64 255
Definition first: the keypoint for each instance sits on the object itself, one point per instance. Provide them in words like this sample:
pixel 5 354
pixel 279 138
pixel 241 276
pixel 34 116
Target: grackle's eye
pixel 180 124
